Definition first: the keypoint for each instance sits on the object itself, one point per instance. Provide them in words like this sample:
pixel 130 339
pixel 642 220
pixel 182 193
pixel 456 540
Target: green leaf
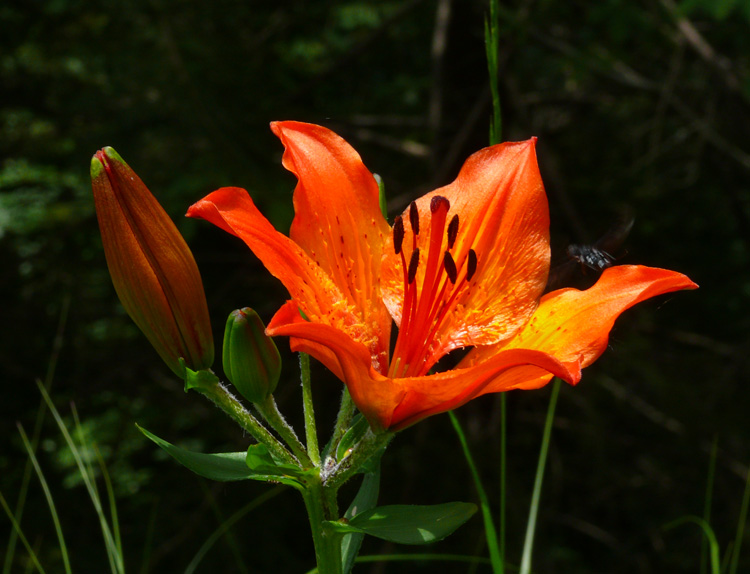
pixel 259 459
pixel 407 524
pixel 366 499
pixel 202 379
pixel 353 435
pixel 219 466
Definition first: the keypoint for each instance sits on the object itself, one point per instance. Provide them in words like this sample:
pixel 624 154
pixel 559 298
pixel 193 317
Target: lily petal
pixel 394 404
pixel 232 209
pixel 574 326
pixel 503 217
pixel 338 221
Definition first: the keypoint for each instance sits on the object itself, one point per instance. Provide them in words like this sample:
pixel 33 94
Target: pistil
pixel 428 302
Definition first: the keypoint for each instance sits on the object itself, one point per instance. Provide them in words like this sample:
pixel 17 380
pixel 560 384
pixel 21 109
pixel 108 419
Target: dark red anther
pixel 439 201
pixel 471 266
pixel 452 231
pixel 450 267
pixel 414 217
pixel 413 264
pixel 398 233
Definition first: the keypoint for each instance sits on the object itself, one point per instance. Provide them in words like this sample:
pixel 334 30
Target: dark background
pixel 637 104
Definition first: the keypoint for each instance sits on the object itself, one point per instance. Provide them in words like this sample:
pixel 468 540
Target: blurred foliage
pixel 641 104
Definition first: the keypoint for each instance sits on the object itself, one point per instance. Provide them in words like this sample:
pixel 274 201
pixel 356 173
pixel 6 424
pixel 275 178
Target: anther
pixel 450 267
pixel 452 231
pixel 398 233
pixel 471 266
pixel 414 217
pixel 413 264
pixel 439 201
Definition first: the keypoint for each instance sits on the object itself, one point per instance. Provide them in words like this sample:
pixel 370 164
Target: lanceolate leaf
pixel 366 499
pixel 408 524
pixel 224 466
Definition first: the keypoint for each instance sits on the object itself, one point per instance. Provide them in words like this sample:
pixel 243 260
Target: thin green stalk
pixel 57 344
pixel 489 526
pixel 311 432
pixel 503 470
pixel 343 422
pixel 273 416
pixel 740 527
pixel 491 42
pixel 528 543
pixel 223 399
pixel 19 532
pixel 708 500
pixel 48 496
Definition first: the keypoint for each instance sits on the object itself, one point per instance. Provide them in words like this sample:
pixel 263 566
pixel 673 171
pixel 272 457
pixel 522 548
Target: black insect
pixel 590 256
pixel 597 257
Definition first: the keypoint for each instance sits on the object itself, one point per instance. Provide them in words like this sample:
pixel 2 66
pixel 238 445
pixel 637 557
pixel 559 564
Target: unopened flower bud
pixel 251 360
pixel 152 268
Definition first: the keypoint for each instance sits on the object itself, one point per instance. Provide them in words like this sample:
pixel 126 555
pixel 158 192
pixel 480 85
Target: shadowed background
pixel 641 106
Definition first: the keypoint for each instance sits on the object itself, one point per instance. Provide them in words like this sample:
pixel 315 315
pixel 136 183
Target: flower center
pixel 429 297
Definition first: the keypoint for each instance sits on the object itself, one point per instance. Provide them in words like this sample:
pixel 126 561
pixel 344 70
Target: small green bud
pixel 251 360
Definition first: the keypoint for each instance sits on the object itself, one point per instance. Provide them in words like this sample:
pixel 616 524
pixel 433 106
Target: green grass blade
pixel 708 532
pixel 20 534
pixel 48 496
pixel 740 527
pixel 503 471
pixel 114 518
pixel 148 540
pixel 211 540
pixel 528 543
pixel 38 424
pixel 707 502
pixel 230 538
pixel 491 42
pixel 116 564
pixel 489 526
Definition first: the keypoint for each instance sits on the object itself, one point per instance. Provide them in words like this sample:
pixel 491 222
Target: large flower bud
pixel 251 360
pixel 152 268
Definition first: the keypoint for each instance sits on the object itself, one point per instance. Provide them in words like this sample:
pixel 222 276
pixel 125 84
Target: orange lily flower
pixel 463 266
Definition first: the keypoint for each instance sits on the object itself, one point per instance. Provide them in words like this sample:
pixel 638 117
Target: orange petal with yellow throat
pixel 573 326
pixel 375 395
pixel 394 404
pixel 338 221
pixel 503 217
pixel 231 209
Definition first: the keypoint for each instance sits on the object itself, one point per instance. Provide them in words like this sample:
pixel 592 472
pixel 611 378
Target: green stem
pixel 489 525
pixel 503 470
pixel 223 399
pixel 364 449
pixel 273 416
pixel 528 543
pixel 311 432
pixel 343 421
pixel 327 543
pixel 491 39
